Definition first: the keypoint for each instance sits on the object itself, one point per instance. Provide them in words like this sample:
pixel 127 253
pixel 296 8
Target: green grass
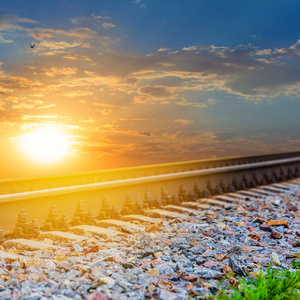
pixel 274 285
pixel 295 264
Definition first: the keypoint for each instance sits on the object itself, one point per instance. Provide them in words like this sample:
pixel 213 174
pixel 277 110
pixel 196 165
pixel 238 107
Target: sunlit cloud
pixel 70 74
pixel 108 105
pixel 2 104
pixel 60 71
pixel 3 40
pixel 183 121
pixel 30 117
pixel 80 32
pixel 10 22
pixel 184 102
pixel 93 21
pixel 244 70
pixel 160 92
pixel 11 84
pixel 154 93
pixel 32 104
pixel 162 49
pixel 71 94
pixel 112 128
pixel 90 18
pixel 107 25
pixel 53 45
pixel 77 57
pixel 132 92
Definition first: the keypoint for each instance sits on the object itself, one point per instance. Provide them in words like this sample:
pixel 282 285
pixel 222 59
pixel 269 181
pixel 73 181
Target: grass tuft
pixel 295 264
pixel 276 284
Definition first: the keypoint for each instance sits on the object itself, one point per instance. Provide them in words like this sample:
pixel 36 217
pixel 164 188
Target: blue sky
pixel 149 81
pixel 153 24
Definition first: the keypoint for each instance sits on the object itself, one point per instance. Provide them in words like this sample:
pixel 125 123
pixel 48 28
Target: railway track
pixel 111 193
pixel 49 228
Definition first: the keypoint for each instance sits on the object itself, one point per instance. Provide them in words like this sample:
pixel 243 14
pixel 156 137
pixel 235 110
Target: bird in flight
pixel 32 45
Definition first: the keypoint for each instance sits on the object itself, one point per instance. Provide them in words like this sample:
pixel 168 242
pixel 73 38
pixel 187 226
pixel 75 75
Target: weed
pixel 274 285
pixel 295 264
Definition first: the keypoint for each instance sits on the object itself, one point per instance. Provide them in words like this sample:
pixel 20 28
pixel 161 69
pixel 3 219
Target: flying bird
pixel 31 46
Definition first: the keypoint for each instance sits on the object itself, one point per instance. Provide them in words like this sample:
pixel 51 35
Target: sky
pixel 140 82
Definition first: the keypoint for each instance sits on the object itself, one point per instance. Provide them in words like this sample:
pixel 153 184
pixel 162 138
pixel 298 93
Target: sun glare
pixel 45 145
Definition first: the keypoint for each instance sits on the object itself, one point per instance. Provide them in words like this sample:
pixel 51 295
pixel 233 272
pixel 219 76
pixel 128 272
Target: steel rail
pixel 18 185
pixel 141 180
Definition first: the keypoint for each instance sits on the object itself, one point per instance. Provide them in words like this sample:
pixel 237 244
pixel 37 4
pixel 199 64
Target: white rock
pixel 106 280
pixel 275 258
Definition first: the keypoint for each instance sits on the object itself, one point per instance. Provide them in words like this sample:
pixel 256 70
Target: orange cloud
pixel 80 32
pixel 60 71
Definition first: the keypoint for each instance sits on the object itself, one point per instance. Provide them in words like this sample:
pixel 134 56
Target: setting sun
pixel 45 145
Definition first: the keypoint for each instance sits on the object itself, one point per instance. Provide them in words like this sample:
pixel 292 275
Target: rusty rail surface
pixel 37 195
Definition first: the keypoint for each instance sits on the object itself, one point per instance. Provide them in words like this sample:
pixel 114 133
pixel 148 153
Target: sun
pixel 45 145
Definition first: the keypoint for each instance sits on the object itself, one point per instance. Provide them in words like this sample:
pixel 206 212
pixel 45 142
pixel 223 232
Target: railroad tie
pixel 28 245
pixel 91 231
pixel 263 191
pixel 123 226
pixel 141 219
pixel 230 199
pixel 195 205
pixel 251 194
pixel 273 189
pixel 160 213
pixel 215 202
pixel 181 209
pixel 63 237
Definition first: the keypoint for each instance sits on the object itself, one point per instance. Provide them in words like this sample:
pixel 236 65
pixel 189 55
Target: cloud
pixel 108 105
pixel 89 19
pixel 253 72
pixel 184 121
pixel 162 77
pixel 108 25
pixel 244 70
pixel 152 94
pixel 225 136
pixel 60 71
pixel 30 117
pixel 32 104
pixel 74 93
pixel 11 84
pixel 256 36
pixel 184 102
pixel 53 45
pixel 162 49
pixel 77 57
pixel 211 101
pixel 9 22
pixel 116 129
pixel 130 80
pixel 145 133
pixel 2 40
pixel 159 92
pixel 12 25
pixel 178 78
pixel 138 2
pixel 2 105
pixel 42 33
pixel 95 88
